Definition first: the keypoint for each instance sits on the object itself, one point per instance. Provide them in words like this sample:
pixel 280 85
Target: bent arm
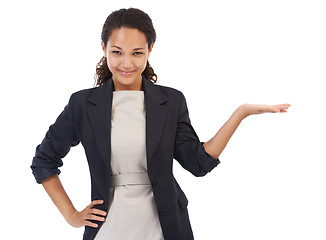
pixel 57 193
pixel 55 190
pixel 216 145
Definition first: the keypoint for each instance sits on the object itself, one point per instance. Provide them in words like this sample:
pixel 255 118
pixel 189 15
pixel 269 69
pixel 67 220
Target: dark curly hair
pixel 130 18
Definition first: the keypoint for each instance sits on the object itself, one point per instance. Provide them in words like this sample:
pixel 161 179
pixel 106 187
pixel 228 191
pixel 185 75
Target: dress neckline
pixel 128 91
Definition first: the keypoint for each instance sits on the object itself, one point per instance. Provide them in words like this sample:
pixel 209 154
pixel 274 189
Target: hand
pixel 250 109
pixel 80 219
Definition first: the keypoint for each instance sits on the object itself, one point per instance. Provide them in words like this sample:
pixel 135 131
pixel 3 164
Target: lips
pixel 126 73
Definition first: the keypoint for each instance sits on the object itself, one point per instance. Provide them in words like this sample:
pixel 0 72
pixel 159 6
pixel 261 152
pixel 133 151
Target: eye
pixel 116 52
pixel 137 53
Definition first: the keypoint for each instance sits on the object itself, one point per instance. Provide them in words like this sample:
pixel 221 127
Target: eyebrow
pixel 135 49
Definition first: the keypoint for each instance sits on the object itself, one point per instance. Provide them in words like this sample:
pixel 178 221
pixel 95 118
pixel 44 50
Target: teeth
pixel 126 73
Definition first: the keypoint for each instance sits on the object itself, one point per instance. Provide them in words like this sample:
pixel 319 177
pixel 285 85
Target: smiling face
pixel 127 54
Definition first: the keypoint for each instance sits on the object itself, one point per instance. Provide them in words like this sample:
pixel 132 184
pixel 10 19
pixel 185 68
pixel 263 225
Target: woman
pixel 131 130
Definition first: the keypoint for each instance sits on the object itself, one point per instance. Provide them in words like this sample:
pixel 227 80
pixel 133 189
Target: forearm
pixel 216 144
pixel 55 190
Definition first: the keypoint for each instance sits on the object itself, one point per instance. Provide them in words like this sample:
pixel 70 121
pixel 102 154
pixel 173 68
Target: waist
pixel 130 179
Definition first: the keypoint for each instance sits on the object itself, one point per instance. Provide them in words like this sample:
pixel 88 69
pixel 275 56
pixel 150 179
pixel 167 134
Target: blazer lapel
pixel 99 112
pixel 156 112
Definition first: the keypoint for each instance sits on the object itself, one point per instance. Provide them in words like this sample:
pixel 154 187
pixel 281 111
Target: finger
pixel 283 109
pixel 279 108
pixel 95 218
pixel 275 110
pixel 270 109
pixel 97 212
pixel 287 105
pixel 95 202
pixel 282 106
pixel 90 224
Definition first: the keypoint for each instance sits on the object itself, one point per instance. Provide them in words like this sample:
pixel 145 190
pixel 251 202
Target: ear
pixel 103 48
pixel 152 45
pixel 151 48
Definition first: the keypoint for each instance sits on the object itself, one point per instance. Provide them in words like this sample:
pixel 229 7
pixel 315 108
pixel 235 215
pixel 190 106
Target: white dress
pixel 132 213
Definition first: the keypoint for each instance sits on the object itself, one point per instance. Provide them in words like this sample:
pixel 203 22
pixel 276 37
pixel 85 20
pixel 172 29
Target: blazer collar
pixel 100 109
pixel 156 112
pixel 104 93
pixel 99 113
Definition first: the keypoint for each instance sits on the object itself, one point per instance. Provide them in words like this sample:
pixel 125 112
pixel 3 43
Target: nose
pixel 127 62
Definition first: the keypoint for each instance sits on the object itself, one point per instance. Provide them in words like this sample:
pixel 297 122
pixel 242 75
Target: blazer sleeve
pixel 188 150
pixel 58 140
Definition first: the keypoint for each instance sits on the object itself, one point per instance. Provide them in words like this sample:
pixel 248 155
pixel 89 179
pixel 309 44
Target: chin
pixel 126 83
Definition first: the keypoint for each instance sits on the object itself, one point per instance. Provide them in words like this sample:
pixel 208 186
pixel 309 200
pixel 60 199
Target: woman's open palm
pixel 250 109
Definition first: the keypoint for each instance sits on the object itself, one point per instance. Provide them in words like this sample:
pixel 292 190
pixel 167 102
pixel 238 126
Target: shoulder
pixel 176 100
pixel 170 92
pixel 83 95
pixel 86 92
pixel 80 97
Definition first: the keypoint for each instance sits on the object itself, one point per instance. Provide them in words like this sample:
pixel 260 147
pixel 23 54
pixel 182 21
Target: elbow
pixel 206 161
pixel 41 174
pixel 213 152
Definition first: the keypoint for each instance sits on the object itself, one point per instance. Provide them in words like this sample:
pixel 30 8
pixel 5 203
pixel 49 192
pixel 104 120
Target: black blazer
pixel 169 134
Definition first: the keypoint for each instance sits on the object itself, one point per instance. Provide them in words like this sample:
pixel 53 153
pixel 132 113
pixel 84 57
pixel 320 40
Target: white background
pixel 271 180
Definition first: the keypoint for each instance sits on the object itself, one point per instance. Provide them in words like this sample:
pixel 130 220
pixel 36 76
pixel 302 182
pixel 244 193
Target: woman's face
pixel 127 54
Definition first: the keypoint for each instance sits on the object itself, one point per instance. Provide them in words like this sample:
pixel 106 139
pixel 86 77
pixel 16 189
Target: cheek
pixel 112 62
pixel 141 63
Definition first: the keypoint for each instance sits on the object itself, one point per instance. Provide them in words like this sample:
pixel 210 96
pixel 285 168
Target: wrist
pixel 68 214
pixel 241 112
pixel 69 217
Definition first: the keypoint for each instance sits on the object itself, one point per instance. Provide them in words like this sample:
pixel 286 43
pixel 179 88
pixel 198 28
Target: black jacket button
pixel 162 212
pixel 154 183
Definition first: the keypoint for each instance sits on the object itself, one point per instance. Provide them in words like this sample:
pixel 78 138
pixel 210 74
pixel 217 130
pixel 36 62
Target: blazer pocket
pixel 183 202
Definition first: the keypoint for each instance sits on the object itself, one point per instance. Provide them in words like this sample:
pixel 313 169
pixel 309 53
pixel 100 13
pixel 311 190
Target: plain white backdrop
pixel 271 180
